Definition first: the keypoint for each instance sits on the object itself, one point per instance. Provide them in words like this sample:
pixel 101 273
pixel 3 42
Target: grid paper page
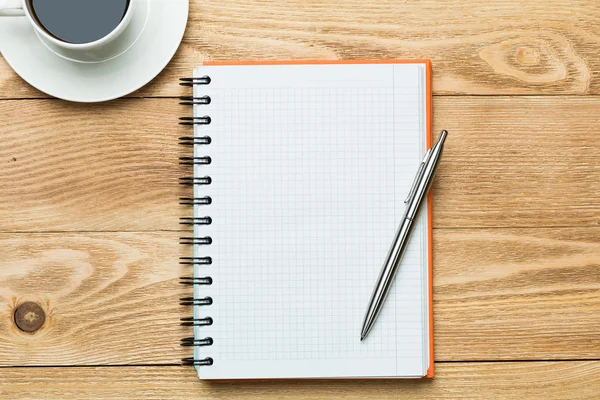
pixel 310 168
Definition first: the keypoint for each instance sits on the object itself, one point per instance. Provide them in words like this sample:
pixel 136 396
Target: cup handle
pixel 11 8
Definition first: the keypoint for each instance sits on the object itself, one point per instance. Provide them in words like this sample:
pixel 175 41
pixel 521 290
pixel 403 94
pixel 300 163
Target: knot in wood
pixel 29 317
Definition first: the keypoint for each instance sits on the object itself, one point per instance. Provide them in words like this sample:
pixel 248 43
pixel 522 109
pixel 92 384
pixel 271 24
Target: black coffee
pixel 78 21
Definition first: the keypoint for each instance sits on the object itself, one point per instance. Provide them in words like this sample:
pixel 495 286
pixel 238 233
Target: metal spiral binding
pixel 205 180
pixel 192 301
pixel 190 201
pixel 193 240
pixel 191 341
pixel 195 260
pixel 187 280
pixel 191 140
pixel 195 120
pixel 194 221
pixel 192 101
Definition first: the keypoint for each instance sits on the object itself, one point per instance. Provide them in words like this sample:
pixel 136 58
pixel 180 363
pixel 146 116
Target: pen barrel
pixel 401 239
pixel 416 199
pixel 388 271
pixel 395 253
pixel 422 187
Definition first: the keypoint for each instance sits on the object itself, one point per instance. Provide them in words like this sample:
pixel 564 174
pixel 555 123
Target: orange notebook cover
pixel 232 88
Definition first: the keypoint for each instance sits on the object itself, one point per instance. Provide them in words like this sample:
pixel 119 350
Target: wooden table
pixel 89 204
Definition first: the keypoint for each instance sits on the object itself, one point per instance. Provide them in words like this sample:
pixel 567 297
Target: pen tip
pixel 362 337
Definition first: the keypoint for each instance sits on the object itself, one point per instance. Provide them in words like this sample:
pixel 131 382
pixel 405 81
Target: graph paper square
pixel 310 167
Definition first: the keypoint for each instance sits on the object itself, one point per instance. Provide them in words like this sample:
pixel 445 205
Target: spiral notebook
pixel 300 170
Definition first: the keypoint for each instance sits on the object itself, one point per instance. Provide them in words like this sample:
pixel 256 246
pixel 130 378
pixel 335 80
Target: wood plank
pixel 547 380
pixel 112 298
pixel 109 298
pixel 493 47
pixel 113 167
pixel 509 161
pixel 516 293
pixel 518 161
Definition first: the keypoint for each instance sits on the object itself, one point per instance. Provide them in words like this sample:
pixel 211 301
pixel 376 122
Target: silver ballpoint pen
pixel 415 199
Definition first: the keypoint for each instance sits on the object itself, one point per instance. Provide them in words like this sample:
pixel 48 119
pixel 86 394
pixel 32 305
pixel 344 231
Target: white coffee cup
pixel 97 50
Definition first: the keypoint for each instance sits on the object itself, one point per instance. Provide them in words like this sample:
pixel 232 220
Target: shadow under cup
pixel 78 21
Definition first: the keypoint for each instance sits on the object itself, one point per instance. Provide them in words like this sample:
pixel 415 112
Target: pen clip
pixel 418 177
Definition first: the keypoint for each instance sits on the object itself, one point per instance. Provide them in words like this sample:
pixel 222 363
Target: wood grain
pixel 518 161
pixel 109 298
pixel 550 381
pixel 516 293
pixel 492 47
pixel 112 298
pixel 111 167
pixel 517 238
pixel 509 161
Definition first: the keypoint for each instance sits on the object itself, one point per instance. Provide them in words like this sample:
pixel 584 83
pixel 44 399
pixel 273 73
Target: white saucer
pixel 152 39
